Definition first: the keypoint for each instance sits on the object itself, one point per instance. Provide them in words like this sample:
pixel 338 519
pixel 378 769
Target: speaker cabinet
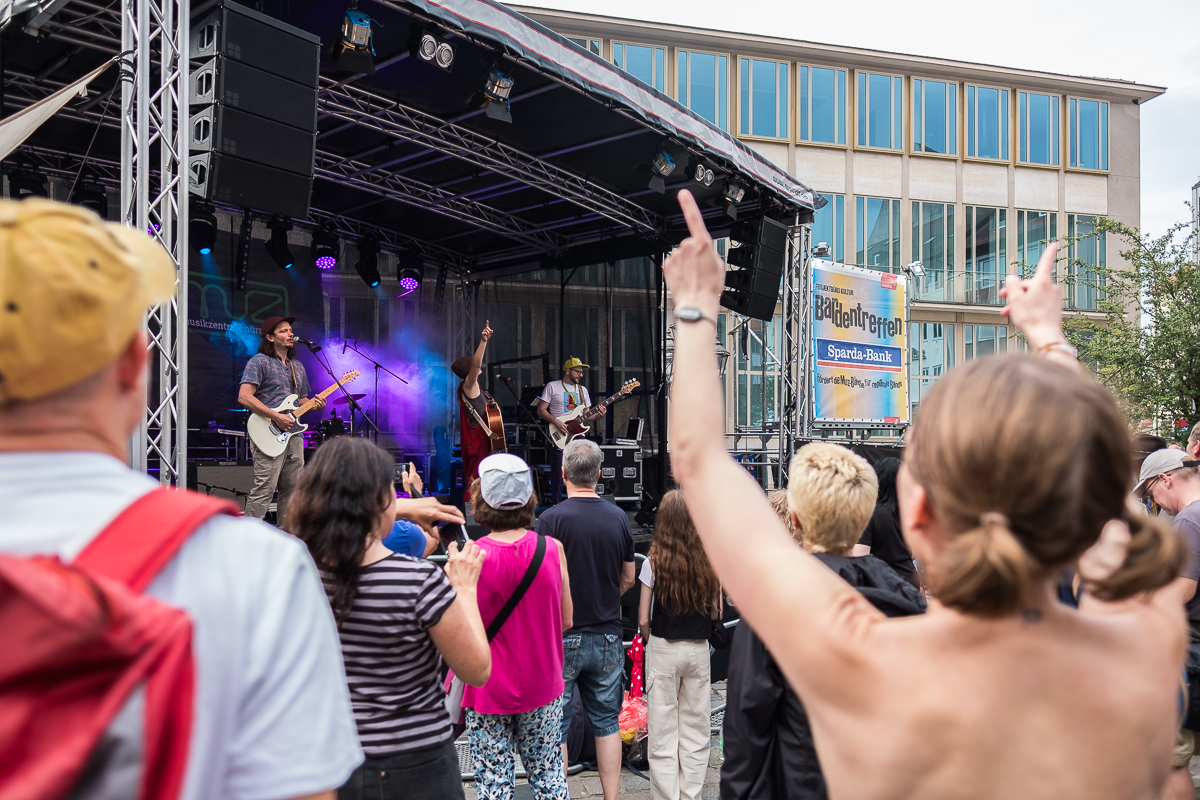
pixel 246 184
pixel 258 41
pixel 235 85
pixel 231 480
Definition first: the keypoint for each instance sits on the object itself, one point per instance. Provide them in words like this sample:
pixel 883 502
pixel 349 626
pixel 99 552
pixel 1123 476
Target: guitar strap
pixel 487 400
pixel 295 383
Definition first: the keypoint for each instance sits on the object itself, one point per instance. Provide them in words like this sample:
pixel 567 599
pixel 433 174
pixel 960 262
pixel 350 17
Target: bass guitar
pixel 266 434
pixel 575 419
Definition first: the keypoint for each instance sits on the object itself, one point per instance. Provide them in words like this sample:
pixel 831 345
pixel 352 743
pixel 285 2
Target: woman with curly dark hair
pixel 397 617
pixel 680 598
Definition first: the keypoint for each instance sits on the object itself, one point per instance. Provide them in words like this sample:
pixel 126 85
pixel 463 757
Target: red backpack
pixel 80 642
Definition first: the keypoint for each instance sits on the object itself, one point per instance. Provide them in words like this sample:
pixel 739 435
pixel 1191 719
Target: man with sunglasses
pixel 1171 480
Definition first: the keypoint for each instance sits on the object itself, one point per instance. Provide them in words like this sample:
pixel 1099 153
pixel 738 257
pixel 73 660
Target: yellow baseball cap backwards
pixel 572 363
pixel 73 291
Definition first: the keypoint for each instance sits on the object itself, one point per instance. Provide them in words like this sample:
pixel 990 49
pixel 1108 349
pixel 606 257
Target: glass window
pixel 1088 135
pixel 986 234
pixel 933 246
pixel 757 359
pixel 1037 125
pixel 984 340
pixel 702 84
pixel 1086 253
pixel 647 64
pixel 877 233
pixel 828 227
pixel 935 117
pixel 987 122
pixel 931 355
pixel 1035 231
pixel 591 45
pixel 822 105
pixel 764 98
pixel 880 111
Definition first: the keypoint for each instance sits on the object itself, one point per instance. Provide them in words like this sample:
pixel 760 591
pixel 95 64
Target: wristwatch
pixel 1061 346
pixel 692 314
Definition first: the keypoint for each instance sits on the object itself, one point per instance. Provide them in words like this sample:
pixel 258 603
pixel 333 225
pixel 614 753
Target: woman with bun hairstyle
pixel 1014 465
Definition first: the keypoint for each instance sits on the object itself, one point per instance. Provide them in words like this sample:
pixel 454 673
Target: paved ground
pixel 587 783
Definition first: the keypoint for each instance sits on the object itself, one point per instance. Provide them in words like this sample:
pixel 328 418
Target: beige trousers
pixel 678 699
pixel 270 474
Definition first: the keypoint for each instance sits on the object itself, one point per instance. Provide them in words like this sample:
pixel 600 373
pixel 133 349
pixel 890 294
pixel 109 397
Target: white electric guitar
pixel 575 419
pixel 266 434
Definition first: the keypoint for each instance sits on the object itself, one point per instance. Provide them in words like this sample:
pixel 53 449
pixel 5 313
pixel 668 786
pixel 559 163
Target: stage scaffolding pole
pixel 154 122
pixel 793 418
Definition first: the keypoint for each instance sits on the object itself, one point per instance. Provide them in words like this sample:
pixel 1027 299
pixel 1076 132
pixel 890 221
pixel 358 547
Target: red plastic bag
pixel 632 719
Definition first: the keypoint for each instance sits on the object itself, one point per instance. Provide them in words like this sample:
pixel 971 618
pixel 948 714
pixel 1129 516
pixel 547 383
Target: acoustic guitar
pixel 494 424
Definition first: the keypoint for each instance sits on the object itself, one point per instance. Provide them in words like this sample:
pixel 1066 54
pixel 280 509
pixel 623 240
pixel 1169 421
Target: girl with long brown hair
pixel 680 598
pixel 1014 465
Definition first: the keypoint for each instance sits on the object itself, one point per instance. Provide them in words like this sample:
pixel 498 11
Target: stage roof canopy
pixel 411 150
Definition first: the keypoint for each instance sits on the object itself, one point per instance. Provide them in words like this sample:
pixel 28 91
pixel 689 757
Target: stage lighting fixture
pixel 91 195
pixel 277 245
pixel 24 183
pixel 661 165
pixel 354 50
pixel 701 173
pixel 202 227
pixel 733 194
pixel 821 250
pixel 325 246
pixel 368 261
pixel 435 51
pixel 496 92
pixel 409 271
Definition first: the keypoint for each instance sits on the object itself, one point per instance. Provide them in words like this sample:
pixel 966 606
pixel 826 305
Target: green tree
pixel 1147 348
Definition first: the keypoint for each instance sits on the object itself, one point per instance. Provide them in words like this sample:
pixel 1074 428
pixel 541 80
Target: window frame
pixel 1073 277
pixel 970 101
pixel 971 257
pixel 1103 148
pixel 615 43
pixel 862 112
pixel 1057 138
pixel 919 285
pixel 845 117
pixel 957 138
pixel 585 42
pixel 862 236
pixel 680 51
pixel 1023 244
pixel 837 207
pixel 785 117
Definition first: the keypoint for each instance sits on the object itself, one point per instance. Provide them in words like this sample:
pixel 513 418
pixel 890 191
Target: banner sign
pixel 859 370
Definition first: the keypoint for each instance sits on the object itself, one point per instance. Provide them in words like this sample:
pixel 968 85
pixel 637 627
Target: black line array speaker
pixel 753 288
pixel 254 111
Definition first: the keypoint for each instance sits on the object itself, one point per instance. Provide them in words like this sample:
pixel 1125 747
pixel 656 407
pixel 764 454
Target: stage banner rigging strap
pixel 859 372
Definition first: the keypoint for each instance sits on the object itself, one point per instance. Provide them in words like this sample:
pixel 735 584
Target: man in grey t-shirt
pixel 271 711
pixel 1170 478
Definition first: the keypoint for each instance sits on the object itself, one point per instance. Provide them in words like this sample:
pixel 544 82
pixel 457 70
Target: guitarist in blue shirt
pixel 270 376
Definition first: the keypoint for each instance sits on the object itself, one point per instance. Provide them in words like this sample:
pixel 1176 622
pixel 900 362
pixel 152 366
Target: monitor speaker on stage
pixel 254 111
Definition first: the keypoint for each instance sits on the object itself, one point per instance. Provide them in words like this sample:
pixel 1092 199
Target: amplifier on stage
pixel 621 473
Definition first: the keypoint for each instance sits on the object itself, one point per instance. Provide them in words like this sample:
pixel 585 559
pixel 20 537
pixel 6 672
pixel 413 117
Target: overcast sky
pixel 1154 42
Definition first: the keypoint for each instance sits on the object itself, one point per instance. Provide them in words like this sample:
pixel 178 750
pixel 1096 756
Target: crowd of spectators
pixel 320 657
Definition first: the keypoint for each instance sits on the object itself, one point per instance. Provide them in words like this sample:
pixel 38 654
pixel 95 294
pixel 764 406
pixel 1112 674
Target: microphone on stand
pixel 313 346
pixel 502 378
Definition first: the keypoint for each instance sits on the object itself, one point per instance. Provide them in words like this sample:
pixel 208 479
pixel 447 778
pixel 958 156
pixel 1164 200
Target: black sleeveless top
pixel 677 627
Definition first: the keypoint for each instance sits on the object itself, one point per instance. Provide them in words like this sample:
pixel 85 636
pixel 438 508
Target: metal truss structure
pixel 154 198
pixel 462 332
pixel 793 412
pixel 409 124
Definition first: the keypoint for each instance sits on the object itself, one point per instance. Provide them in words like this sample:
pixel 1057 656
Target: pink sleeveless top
pixel 527 654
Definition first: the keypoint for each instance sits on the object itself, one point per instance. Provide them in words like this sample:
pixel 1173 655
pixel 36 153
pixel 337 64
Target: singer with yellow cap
pixel 558 398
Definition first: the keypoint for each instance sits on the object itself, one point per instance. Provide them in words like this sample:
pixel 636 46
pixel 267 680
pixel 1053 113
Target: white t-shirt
pixel 272 715
pixel 646 576
pixel 556 393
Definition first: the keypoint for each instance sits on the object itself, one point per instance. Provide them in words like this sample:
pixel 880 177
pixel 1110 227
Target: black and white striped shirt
pixel 391 662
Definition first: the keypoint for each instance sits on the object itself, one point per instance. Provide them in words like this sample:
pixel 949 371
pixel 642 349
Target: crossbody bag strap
pixel 535 563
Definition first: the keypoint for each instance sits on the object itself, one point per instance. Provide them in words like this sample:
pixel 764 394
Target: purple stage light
pixel 326 262
pixel 409 285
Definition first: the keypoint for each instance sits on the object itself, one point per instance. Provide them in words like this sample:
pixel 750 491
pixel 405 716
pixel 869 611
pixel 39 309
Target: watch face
pixel 689 314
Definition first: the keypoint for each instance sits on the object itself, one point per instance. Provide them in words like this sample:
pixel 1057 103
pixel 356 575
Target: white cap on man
pixel 1160 462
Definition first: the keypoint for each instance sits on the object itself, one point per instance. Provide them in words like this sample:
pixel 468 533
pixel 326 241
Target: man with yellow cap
pixel 272 716
pixel 557 399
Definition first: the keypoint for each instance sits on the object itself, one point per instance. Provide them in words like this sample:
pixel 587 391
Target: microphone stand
pixel 354 406
pixel 537 426
pixel 378 366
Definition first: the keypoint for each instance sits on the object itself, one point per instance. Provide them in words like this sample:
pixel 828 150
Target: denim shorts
pixel 596 663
